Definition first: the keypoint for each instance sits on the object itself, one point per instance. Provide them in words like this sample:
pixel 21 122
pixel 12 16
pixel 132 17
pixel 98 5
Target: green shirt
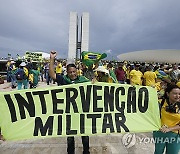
pixel 35 76
pixel 79 79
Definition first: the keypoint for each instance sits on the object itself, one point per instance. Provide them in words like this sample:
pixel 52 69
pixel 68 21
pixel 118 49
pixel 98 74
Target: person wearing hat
pixel 21 76
pixel 102 74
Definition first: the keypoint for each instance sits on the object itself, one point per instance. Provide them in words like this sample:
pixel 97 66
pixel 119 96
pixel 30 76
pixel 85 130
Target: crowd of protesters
pixel 23 74
pixel 26 74
pixel 135 73
pixel 164 77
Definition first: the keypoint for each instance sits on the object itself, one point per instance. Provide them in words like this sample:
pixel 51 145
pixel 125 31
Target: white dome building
pixel 169 56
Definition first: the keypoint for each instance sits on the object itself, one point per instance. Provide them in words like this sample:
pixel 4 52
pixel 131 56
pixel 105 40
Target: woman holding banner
pixel 168 137
pixel 70 78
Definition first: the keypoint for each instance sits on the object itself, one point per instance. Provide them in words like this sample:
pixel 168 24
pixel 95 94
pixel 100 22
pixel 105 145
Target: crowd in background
pixel 155 75
pixel 161 76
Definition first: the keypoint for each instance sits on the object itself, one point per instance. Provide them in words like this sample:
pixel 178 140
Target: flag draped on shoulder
pixel 90 58
pixel 161 74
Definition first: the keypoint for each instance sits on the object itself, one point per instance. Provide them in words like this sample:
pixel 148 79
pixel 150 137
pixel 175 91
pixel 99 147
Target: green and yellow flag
pixel 90 58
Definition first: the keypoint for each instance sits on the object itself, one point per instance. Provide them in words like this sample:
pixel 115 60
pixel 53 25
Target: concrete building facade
pixel 73 29
pixel 85 32
pixel 78 35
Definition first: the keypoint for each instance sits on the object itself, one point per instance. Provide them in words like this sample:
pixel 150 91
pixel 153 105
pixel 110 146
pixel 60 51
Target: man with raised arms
pixel 70 78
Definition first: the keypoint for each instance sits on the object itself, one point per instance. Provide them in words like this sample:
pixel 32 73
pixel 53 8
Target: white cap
pixel 102 69
pixel 23 64
pixel 13 62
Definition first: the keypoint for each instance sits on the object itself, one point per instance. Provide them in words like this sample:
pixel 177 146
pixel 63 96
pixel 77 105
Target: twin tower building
pixel 78 35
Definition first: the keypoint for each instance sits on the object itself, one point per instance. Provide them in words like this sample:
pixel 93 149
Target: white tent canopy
pixel 169 56
pixel 45 55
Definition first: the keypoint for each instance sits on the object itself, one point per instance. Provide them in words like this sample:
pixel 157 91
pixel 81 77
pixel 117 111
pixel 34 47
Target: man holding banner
pixel 82 109
pixel 70 78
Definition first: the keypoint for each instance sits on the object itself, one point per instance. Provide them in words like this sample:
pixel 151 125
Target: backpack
pixel 20 74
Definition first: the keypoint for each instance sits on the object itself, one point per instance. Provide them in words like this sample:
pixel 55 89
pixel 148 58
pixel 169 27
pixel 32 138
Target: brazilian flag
pixel 161 74
pixel 89 58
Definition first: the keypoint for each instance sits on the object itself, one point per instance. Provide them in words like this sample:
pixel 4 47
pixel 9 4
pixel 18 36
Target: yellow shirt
pixel 79 72
pixel 124 68
pixel 135 77
pixel 110 80
pixel 14 67
pixel 169 119
pixel 127 73
pixel 59 68
pixel 150 78
pixel 158 86
pixel 8 64
pixel 178 84
pixel 105 66
pixel 31 77
pixel 26 71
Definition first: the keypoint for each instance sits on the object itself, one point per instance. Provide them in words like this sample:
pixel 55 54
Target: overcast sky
pixel 116 26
